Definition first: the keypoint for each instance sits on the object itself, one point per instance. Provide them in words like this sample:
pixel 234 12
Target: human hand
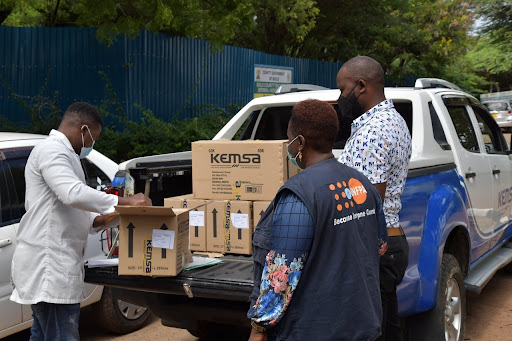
pixel 138 199
pixel 383 248
pixel 257 336
pixel 102 220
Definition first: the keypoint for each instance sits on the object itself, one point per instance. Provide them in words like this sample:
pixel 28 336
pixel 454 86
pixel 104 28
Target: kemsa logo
pixel 148 255
pixel 235 158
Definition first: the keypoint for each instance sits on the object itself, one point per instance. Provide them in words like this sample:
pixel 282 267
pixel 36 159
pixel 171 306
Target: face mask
pixel 293 159
pixel 86 150
pixel 349 106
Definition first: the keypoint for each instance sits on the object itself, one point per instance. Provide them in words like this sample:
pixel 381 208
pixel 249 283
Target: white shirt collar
pixel 63 138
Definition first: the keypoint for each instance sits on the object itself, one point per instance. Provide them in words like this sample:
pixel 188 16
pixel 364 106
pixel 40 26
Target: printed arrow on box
pixel 164 251
pixel 214 213
pixel 130 228
pixel 239 230
pixel 196 231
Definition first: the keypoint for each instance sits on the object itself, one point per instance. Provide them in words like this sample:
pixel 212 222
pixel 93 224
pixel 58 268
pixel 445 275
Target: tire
pixel 446 321
pixel 117 316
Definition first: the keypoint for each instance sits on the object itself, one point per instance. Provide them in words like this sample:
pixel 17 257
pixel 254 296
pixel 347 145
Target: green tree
pixel 433 40
pixel 492 54
pixel 217 21
pixel 278 27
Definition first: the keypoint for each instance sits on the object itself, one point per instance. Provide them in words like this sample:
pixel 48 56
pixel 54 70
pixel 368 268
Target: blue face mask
pixel 86 150
pixel 293 159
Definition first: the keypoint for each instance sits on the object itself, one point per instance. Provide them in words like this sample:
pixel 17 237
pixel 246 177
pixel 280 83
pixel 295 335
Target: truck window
pixel 437 128
pixel 5 208
pixel 404 108
pixel 245 131
pixel 12 177
pixel 274 124
pixel 492 136
pixel 94 177
pixel 16 168
pixel 463 127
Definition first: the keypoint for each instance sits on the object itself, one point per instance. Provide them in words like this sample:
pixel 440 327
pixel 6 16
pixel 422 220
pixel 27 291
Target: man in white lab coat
pixel 47 267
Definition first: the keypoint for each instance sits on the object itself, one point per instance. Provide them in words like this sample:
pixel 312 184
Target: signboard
pixel 268 78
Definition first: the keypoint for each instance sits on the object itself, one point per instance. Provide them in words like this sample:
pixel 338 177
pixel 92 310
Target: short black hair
pixel 317 121
pixel 83 113
pixel 367 68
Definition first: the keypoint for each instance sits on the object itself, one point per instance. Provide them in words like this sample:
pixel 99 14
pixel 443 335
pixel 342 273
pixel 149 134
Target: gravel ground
pixel 489 318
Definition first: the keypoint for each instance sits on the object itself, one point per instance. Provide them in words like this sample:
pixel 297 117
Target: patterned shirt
pixel 380 148
pixel 291 238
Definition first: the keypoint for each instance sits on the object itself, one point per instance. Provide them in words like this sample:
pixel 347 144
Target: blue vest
pixel 338 295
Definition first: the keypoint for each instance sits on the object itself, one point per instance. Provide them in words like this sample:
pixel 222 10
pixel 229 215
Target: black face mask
pixel 349 106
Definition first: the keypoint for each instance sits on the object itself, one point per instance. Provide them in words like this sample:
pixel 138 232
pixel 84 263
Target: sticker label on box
pixel 196 218
pixel 163 239
pixel 240 220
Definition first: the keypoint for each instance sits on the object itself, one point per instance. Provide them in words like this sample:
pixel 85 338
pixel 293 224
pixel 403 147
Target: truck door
pixel 475 170
pixel 495 146
pixel 10 312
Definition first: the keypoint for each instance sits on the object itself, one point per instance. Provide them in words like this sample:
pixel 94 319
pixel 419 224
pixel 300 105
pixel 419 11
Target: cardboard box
pixel 239 170
pixel 180 201
pixel 230 226
pixel 141 229
pixel 259 208
pixel 197 215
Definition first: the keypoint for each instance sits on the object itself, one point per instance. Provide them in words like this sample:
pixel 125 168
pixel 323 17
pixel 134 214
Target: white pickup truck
pixel 456 214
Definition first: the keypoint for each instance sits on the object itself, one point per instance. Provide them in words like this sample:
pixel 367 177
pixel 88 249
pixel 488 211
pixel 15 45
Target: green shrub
pixel 154 136
pixel 122 139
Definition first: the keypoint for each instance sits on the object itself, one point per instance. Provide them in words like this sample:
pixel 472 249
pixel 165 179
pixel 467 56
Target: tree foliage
pixel 279 27
pixel 425 38
pixel 492 52
pixel 216 21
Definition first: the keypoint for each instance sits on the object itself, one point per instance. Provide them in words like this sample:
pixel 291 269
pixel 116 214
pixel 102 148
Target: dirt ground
pixel 489 318
pixel 489 315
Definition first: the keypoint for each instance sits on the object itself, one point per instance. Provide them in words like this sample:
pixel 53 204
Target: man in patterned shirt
pixel 380 148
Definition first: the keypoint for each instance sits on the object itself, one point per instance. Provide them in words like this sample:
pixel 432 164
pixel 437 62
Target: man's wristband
pixel 258 328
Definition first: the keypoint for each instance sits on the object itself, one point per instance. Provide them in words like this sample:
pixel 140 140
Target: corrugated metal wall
pixel 169 75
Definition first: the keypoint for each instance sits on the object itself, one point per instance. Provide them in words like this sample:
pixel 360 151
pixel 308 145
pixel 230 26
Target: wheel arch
pixel 458 245
pixel 444 229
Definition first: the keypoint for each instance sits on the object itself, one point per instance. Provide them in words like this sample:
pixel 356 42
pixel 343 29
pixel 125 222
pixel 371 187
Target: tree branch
pixel 54 14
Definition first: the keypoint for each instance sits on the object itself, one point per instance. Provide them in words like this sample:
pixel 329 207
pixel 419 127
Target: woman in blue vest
pixel 316 248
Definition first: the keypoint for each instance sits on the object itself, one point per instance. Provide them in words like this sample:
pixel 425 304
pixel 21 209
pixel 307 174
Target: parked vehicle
pixel 501 110
pixel 456 214
pixel 113 314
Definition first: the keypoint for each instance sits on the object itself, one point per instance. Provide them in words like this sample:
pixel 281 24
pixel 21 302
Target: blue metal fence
pixel 169 75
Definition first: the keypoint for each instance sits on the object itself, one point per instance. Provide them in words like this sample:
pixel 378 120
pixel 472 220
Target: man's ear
pixel 362 86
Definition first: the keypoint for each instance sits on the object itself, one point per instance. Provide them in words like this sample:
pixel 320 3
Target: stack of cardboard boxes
pixel 233 183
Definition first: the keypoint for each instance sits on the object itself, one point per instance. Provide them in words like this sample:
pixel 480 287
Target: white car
pixel 501 110
pixel 113 314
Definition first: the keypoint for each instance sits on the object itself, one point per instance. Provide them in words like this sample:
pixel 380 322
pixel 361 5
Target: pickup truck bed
pixel 231 280
pixel 216 293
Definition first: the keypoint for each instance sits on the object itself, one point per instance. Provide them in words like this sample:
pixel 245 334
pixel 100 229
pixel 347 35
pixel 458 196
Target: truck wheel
pixel 117 316
pixel 446 321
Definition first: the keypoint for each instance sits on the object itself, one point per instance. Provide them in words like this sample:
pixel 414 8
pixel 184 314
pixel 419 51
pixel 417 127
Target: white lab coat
pixel 47 265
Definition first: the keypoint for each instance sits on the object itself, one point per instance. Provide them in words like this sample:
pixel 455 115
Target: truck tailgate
pixel 231 280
